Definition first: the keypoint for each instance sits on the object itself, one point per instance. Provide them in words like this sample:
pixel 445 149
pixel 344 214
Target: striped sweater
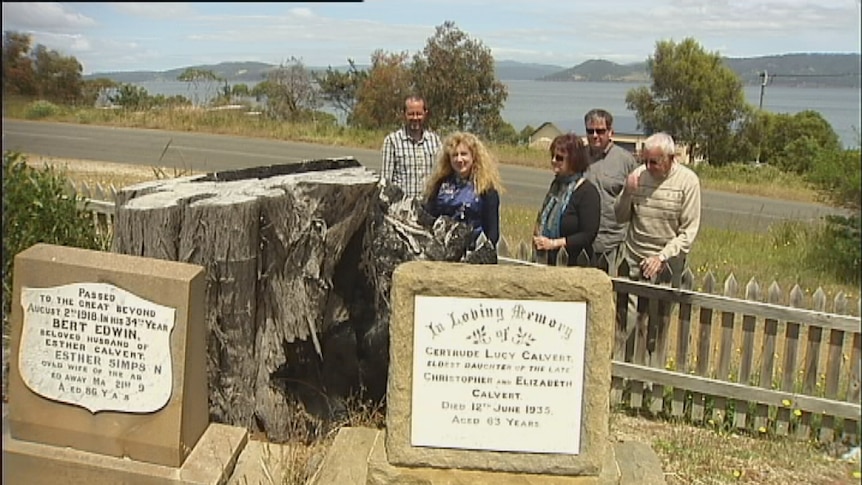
pixel 663 214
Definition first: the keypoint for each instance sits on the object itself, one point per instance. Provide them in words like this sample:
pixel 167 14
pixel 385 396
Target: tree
pixel 694 96
pixel 59 78
pixel 340 88
pixel 132 97
pixel 455 74
pixel 18 76
pixel 290 92
pixel 793 142
pixel 39 71
pixel 198 78
pixel 837 174
pixel 98 91
pixel 380 98
pixel 240 90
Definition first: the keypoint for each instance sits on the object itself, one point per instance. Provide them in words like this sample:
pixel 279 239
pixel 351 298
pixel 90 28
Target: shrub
pixel 838 175
pixel 37 208
pixel 837 248
pixel 41 109
pixel 749 174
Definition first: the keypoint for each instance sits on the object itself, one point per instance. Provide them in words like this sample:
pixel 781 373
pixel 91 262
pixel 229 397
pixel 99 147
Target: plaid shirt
pixel 407 163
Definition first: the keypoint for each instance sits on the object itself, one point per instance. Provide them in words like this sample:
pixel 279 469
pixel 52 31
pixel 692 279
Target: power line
pixel 845 74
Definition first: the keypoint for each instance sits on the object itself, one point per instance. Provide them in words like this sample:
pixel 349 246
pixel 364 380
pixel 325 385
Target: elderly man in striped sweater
pixel 661 203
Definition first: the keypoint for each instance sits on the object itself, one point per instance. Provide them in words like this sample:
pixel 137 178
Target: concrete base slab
pixel 211 462
pixel 262 462
pixel 346 462
pixel 358 457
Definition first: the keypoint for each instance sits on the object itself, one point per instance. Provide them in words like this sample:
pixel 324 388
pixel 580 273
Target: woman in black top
pixel 571 210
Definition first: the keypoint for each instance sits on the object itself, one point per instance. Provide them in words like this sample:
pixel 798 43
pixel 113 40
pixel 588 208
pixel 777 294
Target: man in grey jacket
pixel 609 167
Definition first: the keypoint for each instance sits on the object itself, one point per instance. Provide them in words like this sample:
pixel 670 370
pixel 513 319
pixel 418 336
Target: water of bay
pixel 564 103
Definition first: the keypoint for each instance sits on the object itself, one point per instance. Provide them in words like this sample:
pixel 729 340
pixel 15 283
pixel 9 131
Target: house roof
pixel 623 125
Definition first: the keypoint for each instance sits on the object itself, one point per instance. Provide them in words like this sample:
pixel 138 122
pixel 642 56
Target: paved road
pixel 205 152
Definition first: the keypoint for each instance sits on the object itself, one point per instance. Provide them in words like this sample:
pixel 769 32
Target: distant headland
pixel 811 69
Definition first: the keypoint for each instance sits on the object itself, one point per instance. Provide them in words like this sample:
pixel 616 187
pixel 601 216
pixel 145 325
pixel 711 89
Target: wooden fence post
pixel 523 252
pixel 791 350
pixel 833 366
pixel 562 258
pixel 683 342
pixel 768 356
pixel 854 386
pixel 503 248
pixel 719 409
pixel 752 293
pixel 704 348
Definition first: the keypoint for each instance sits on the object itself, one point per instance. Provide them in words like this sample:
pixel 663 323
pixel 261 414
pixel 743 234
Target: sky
pixel 107 37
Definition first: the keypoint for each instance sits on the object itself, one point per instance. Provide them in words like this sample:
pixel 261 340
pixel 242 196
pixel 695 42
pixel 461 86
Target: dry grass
pixel 767 188
pixel 105 174
pixel 689 455
pixel 692 455
pixel 775 255
pixel 295 462
pixel 240 124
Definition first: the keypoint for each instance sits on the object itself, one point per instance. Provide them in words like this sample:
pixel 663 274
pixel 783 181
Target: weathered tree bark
pixel 270 239
pixel 299 262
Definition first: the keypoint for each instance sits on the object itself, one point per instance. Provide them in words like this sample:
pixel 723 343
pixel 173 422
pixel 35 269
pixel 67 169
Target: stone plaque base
pixel 358 457
pixel 211 462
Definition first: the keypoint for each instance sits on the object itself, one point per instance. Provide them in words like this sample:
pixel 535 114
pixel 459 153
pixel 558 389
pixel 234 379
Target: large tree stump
pixel 299 262
pixel 270 239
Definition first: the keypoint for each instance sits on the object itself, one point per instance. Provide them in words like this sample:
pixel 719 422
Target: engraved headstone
pixel 500 369
pixel 96 346
pixel 109 363
pixel 497 374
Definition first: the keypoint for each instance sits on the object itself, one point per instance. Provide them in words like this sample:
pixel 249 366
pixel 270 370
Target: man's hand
pixel 632 182
pixel 651 267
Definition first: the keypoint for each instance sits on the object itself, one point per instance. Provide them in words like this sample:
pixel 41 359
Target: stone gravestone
pixel 108 373
pixel 498 374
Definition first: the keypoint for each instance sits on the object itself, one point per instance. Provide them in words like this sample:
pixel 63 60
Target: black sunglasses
pixel 596 131
pixel 558 158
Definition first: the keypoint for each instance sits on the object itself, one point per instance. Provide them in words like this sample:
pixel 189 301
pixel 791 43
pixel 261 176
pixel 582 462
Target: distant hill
pixel 231 71
pixel 839 70
pixel 520 71
pixel 826 70
pixel 245 72
pixel 823 70
pixel 598 70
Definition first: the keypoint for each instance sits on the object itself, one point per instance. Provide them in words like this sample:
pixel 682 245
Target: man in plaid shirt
pixel 409 153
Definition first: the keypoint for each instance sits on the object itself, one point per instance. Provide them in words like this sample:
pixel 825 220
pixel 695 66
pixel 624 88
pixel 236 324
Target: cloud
pixel 156 11
pixel 42 16
pixel 302 12
pixel 727 18
pixel 318 39
pixel 162 36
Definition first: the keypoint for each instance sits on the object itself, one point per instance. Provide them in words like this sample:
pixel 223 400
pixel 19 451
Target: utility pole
pixel 764 78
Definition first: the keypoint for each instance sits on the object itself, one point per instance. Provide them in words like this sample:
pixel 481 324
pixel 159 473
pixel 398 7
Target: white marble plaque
pixel 502 375
pixel 96 346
